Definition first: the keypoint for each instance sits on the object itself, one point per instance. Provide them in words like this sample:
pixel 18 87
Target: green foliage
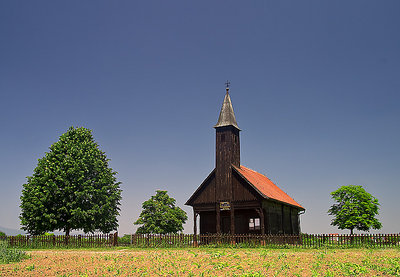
pixel 355 209
pixel 160 216
pixel 124 240
pixel 10 255
pixel 2 234
pixel 72 188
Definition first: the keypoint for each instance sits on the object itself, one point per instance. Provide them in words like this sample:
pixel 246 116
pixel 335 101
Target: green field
pixel 207 262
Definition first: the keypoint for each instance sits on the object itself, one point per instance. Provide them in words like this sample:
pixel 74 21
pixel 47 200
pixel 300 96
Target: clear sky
pixel 314 84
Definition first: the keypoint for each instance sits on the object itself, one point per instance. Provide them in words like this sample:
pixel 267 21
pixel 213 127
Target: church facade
pixel 235 199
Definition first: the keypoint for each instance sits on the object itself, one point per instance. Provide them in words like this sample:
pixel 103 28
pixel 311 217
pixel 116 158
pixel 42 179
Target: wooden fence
pixel 378 240
pixel 100 240
pixel 189 240
pixel 303 240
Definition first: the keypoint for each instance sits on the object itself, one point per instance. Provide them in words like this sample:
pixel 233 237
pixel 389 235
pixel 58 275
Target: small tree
pixel 355 209
pixel 72 187
pixel 160 216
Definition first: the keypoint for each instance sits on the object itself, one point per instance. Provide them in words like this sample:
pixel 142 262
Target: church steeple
pixel 227 116
pixel 227 146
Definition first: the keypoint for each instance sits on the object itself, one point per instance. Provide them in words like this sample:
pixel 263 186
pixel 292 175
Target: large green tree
pixel 160 216
pixel 354 209
pixel 72 188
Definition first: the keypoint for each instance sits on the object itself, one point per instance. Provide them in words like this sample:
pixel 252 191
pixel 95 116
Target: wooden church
pixel 235 199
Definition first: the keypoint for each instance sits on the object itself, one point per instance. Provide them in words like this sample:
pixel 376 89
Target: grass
pixel 207 262
pixel 10 255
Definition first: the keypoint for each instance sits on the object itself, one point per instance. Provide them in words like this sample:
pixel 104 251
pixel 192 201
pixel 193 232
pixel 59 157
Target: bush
pixel 10 255
pixel 125 240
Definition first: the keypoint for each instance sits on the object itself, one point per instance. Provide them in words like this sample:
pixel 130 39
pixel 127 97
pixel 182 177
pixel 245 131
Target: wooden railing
pixel 189 240
pixel 99 240
pixel 303 240
pixel 379 240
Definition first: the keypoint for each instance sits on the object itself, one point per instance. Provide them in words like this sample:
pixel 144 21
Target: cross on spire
pixel 227 84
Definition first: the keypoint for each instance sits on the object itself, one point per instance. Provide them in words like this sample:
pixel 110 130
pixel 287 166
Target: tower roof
pixel 227 116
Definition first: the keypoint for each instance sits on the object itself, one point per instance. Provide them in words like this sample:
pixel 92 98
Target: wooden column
pixel 262 221
pixel 195 228
pixel 282 219
pixel 260 212
pixel 232 219
pixel 291 220
pixel 233 241
pixel 218 212
pixel 267 220
pixel 298 223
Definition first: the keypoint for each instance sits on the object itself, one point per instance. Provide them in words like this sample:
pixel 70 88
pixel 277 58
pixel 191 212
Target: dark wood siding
pixel 241 190
pixel 274 214
pixel 207 194
pixel 280 218
pixel 241 223
pixel 208 223
pixel 227 153
pixel 295 221
pixel 287 228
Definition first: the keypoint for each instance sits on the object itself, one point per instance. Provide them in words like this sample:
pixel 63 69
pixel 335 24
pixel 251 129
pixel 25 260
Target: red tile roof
pixel 265 186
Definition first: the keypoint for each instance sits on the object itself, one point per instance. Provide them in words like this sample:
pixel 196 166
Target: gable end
pixel 205 193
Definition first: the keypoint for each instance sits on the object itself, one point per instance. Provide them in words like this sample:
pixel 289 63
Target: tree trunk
pixel 66 235
pixel 351 237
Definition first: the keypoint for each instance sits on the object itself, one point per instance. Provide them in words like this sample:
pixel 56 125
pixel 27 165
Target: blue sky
pixel 314 84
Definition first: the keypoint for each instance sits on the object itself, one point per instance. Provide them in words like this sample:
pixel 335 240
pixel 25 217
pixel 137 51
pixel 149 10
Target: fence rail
pixel 100 240
pixel 303 240
pixel 380 240
pixel 189 240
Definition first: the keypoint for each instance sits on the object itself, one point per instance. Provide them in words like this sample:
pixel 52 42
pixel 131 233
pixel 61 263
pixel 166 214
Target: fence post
pixel 263 241
pixel 195 244
pixel 233 239
pixel 115 242
pixel 110 240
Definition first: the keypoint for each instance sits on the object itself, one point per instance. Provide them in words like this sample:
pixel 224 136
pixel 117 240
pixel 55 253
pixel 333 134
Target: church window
pixel 254 223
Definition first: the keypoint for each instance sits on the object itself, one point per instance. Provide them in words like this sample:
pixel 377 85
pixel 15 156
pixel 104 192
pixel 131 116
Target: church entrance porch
pixel 246 221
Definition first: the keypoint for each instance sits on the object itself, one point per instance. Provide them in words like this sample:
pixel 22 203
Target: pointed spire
pixel 227 116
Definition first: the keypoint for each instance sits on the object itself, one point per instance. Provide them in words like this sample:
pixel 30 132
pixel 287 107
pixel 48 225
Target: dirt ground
pixel 207 262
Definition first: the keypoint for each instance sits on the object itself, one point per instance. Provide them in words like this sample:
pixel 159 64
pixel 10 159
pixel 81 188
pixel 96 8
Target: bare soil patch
pixel 207 262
